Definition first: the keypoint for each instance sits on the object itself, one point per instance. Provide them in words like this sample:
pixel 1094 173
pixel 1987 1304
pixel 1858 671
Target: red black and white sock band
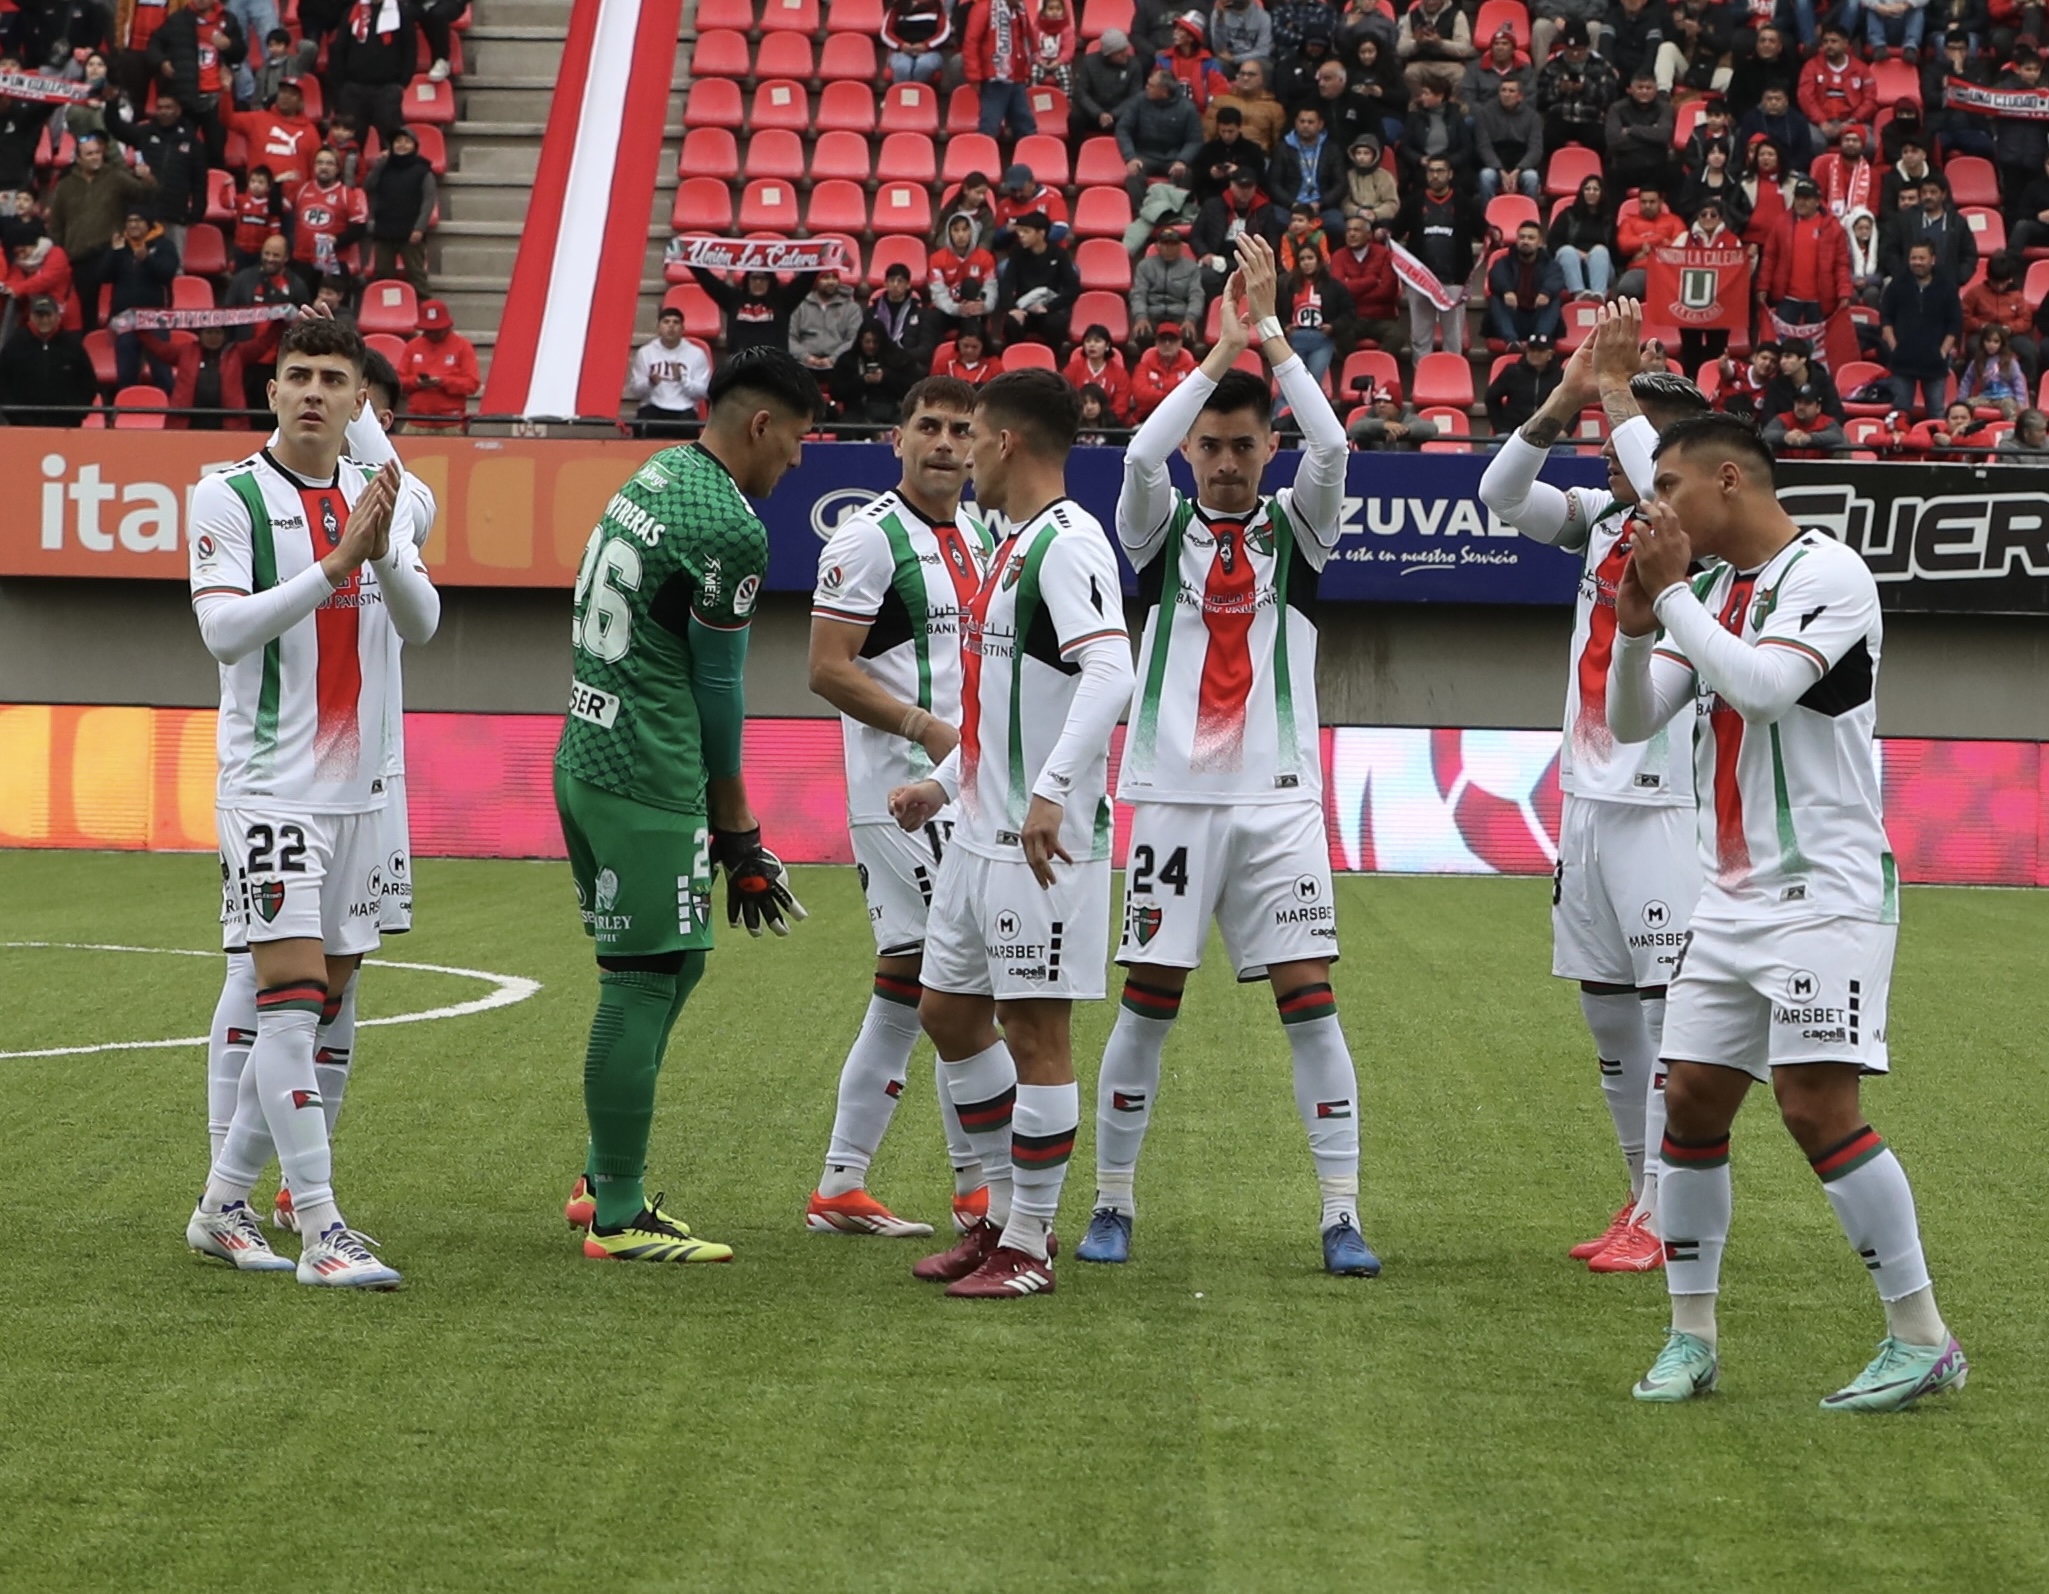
pixel 1041 1151
pixel 1849 1155
pixel 330 1010
pixel 895 988
pixel 1152 1001
pixel 986 1117
pixel 1699 1155
pixel 304 996
pixel 1307 1003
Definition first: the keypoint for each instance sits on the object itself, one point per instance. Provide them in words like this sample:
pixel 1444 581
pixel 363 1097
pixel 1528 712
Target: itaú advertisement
pixel 1397 800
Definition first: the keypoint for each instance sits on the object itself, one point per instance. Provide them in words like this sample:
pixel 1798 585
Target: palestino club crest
pixel 268 899
pixel 1012 571
pixel 329 525
pixel 1145 923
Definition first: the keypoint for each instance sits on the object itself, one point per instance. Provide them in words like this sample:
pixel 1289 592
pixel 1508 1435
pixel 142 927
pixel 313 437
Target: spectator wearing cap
pixel 1262 117
pixel 962 284
pixel 1574 90
pixel 1804 275
pixel 1434 42
pixel 1365 265
pixel 1038 286
pixel 1159 135
pixel 1508 139
pixel 210 374
pixel 1638 131
pixel 1846 175
pixel 1161 369
pixel 1240 31
pixel 173 152
pixel 1022 194
pixel 1804 431
pixel 87 207
pixel 1521 388
pixel 1936 223
pixel 282 136
pixel 1225 155
pixel 1242 207
pixel 1096 361
pixel 1166 286
pixel 2020 144
pixel 1836 89
pixel 901 313
pixel 1445 230
pixel 1525 289
pixel 1777 119
pixel 140 267
pixel 670 377
pixel 1921 320
pixel 194 53
pixel 915 34
pixel 33 267
pixel 1308 169
pixel 1189 59
pixel 1384 424
pixel 1551 19
pixel 46 377
pixel 372 59
pixel 823 325
pixel 401 193
pixel 1370 189
pixel 1105 79
pixel 996 53
pixel 438 371
pixel 1481 85
pixel 758 308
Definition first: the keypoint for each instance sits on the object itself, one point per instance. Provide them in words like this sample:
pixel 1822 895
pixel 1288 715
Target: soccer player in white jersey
pixel 296 580
pixel 1774 655
pixel 893 583
pixel 1628 870
pixel 234 1020
pixel 1019 928
pixel 1222 760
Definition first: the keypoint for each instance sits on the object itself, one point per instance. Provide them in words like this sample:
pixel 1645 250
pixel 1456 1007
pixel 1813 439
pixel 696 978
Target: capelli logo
pixel 830 510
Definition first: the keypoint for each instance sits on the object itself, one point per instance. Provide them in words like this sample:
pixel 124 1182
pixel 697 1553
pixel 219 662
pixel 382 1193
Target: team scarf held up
pixel 186 320
pixel 757 254
pixel 43 90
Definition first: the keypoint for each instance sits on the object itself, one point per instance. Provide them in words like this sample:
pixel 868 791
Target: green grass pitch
pixel 1219 1415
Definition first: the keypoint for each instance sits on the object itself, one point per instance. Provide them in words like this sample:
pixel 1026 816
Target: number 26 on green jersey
pixel 602 624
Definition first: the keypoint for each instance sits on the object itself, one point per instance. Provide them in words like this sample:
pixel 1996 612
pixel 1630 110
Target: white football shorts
pixel 1261 871
pixel 899 871
pixel 395 907
pixel 1759 996
pixel 1628 876
pixel 995 932
pixel 289 876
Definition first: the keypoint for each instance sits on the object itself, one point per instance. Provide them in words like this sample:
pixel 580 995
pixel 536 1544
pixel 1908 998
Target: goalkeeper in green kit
pixel 647 774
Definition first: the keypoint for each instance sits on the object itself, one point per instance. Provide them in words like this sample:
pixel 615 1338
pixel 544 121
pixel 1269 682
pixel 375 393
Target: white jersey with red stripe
pixel 1791 814
pixel 302 718
pixel 1052 587
pixel 909 581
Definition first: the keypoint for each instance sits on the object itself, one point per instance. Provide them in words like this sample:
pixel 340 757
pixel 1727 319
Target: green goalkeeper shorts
pixel 643 875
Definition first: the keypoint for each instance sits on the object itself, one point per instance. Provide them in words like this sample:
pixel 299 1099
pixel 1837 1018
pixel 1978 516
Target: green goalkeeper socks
pixel 637 1011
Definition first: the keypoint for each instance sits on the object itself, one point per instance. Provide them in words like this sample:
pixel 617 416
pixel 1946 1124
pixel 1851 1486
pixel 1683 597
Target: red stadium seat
pixel 1686 121
pixel 1044 154
pixel 1855 374
pixel 709 152
pixel 60 155
pixel 2036 288
pixel 907 158
pixel 700 315
pixel 903 207
pixel 850 256
pixel 736 14
pixel 775 153
pixel 964 111
pixel 855 16
pixel 1569 167
pixel 315 105
pixel 799 16
pixel 433 148
pixel 143 398
pixel 778 102
pixel 1098 17
pixel 1494 15
pixel 389 306
pixel 1444 379
pixel 191 293
pixel 392 348
pixel 206 252
pixel 783 55
pixel 1896 80
pixel 236 152
pixel 1099 162
pixel 769 205
pixel 910 108
pixel 1110 310
pixel 1104 265
pixel 1506 212
pixel 849 55
pixel 1102 213
pixel 842 155
pixel 847 108
pixel 99 348
pixel 1251 364
pixel 427 103
pixel 971 152
pixel 1029 357
pixel 1988 228
pixel 1049 105
pixel 703 204
pixel 1456 422
pixel 836 206
pixel 220 195
pixel 720 52
pixel 1972 181
pixel 899 249
pixel 1867 429
pixel 1580 320
pixel 713 102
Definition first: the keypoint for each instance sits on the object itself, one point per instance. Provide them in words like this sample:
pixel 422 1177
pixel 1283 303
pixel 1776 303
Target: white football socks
pixel 960 1151
pixel 228 1040
pixel 1623 1043
pixel 1875 1205
pixel 1653 1114
pixel 1125 1088
pixel 1695 1201
pixel 1042 1141
pixel 279 1108
pixel 984 1092
pixel 334 1048
pixel 871 1084
pixel 1327 1097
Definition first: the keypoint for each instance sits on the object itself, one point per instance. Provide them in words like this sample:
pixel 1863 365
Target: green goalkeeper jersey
pixel 663 598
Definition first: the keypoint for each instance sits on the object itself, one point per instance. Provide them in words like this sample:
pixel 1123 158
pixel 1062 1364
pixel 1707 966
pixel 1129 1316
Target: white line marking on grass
pixel 506 990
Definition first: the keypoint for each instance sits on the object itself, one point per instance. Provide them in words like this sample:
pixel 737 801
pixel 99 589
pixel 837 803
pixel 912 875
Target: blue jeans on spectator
pixel 1934 390
pixel 1895 32
pixel 129 359
pixel 1526 182
pixel 257 17
pixel 920 68
pixel 1587 270
pixel 1519 326
pixel 1316 349
pixel 1007 102
pixel 1808 23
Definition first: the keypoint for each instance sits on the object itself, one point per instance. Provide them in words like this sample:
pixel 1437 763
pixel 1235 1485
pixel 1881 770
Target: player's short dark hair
pixel 381 379
pixel 322 335
pixel 765 374
pixel 1240 390
pixel 1669 393
pixel 1037 403
pixel 1729 435
pixel 937 393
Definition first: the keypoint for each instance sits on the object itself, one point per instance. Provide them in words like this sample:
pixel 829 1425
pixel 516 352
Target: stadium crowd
pixel 210 158
pixel 1053 188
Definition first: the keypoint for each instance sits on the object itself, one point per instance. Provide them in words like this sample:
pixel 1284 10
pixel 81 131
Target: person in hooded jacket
pixel 869 381
pixel 401 189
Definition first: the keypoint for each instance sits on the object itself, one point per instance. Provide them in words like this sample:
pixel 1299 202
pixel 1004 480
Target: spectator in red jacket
pixel 1053 40
pixel 971 361
pixel 1836 89
pixel 1805 274
pixel 210 373
pixel 259 213
pixel 438 372
pixel 1161 369
pixel 962 286
pixel 1021 194
pixel 1096 360
pixel 1192 63
pixel 1366 268
pixel 285 138
pixel 33 266
pixel 331 217
pixel 997 56
pixel 1636 236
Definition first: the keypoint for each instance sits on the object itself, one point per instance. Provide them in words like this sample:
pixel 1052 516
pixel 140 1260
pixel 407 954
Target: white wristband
pixel 1270 327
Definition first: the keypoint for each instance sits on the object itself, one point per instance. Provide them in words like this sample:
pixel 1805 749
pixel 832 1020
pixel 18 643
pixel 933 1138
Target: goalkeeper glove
pixel 757 885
